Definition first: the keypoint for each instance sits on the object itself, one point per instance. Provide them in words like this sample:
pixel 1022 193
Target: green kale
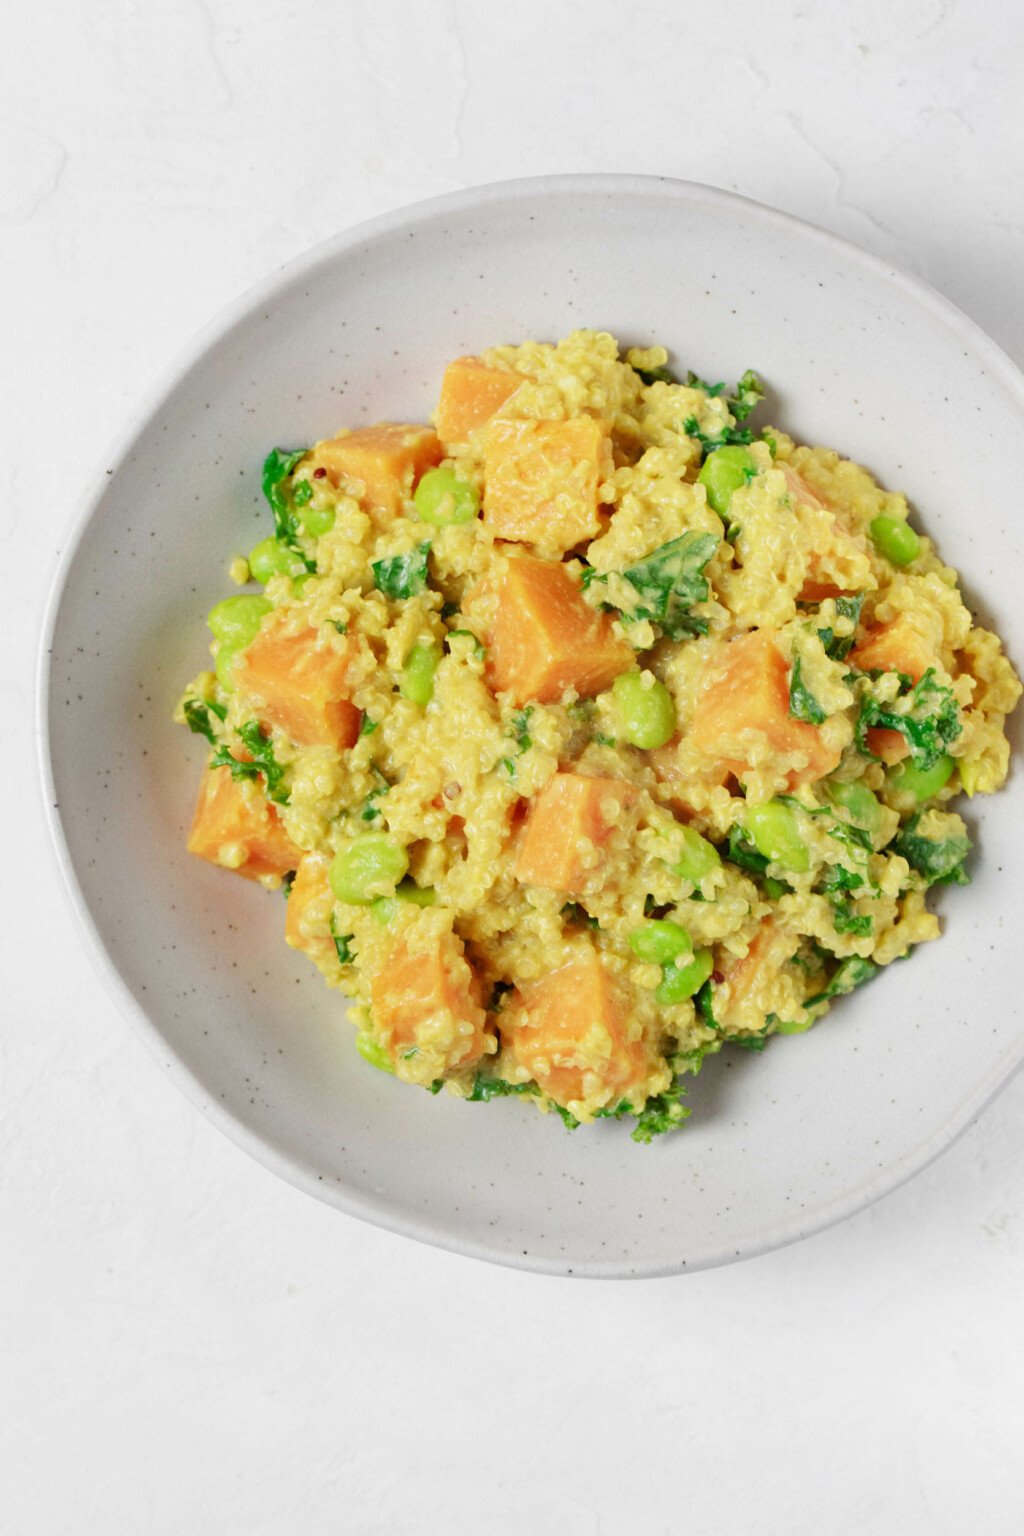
pixel 197 717
pixel 370 810
pixel 853 972
pixel 366 725
pixel 743 853
pixel 262 761
pixel 566 1115
pixel 705 1001
pixel 576 913
pixel 928 726
pixel 343 944
pixel 656 375
pixel 802 703
pixel 742 436
pixel 670 580
pixel 284 497
pixel 939 860
pixel 748 393
pixel 519 731
pixel 839 647
pixel 401 576
pixel 486 1088
pixel 666 1112
pixel 749 1042
pixel 846 920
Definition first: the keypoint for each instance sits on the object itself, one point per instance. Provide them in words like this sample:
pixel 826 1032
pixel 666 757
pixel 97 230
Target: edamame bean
pixel 417 680
pixel 385 907
pixel 773 829
pixel 370 866
pixel 224 664
pixel 895 539
pixel 235 620
pixel 679 982
pixel 922 783
pixel 855 798
pixel 660 941
pixel 699 857
pixel 271 558
pixel 644 710
pixel 723 472
pixel 317 520
pixel 442 498
pixel 372 1051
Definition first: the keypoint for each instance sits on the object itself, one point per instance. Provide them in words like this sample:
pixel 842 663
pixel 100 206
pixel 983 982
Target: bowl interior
pixel 856 357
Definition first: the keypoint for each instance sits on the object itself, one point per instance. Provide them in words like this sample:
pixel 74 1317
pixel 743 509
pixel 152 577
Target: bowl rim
pixel 300 1174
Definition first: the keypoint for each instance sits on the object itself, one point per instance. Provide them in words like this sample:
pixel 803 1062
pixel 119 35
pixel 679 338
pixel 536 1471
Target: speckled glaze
pixel 856 356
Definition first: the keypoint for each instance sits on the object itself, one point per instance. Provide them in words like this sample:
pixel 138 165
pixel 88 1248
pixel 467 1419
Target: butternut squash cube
pixel 898 646
pixel 379 464
pixel 541 480
pixel 743 709
pixel 471 392
pixel 297 680
pixel 425 1006
pixel 308 919
pixel 568 1031
pixel 571 818
pixel 545 639
pixel 236 827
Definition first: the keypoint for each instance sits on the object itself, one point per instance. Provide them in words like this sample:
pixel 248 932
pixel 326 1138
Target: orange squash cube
pixel 545 639
pixel 541 480
pixel 744 705
pixel 308 919
pixel 471 392
pixel 297 680
pixel 379 464
pixel 771 947
pixel 572 816
pixel 426 997
pixel 568 1031
pixel 236 827
pixel 895 647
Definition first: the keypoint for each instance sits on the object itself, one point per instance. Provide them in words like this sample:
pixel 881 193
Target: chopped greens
pixel 283 497
pixel 519 732
pixel 479 649
pixel 656 375
pixel 366 725
pixel 928 726
pixel 486 1088
pixel 838 647
pixel 853 972
pixel 343 945
pixel 261 761
pixel 670 580
pixel 197 717
pixel 742 852
pixel 939 860
pixel 802 703
pixel 401 576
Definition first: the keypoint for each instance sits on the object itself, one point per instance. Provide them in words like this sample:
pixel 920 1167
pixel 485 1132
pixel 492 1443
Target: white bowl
pixel 856 356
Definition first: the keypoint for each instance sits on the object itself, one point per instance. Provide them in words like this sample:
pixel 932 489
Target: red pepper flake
pixel 320 474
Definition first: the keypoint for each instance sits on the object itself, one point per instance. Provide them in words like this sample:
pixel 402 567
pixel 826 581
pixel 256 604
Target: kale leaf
pixel 401 576
pixel 939 860
pixel 486 1088
pixel 656 375
pixel 197 717
pixel 853 972
pixel 261 761
pixel 836 646
pixel 670 580
pixel 802 703
pixel 343 945
pixel 283 497
pixel 928 727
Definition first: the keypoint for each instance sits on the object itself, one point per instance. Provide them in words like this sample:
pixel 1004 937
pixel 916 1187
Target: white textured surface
pixel 187 1344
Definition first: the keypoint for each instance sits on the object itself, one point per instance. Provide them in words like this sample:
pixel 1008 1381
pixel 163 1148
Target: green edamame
pixel 442 498
pixel 699 857
pixel 660 941
pixel 417 680
pixel 681 981
pixel 858 801
pixel 895 539
pixel 773 829
pixel 370 866
pixel 723 472
pixel 373 1052
pixel 923 783
pixel 644 711
pixel 235 620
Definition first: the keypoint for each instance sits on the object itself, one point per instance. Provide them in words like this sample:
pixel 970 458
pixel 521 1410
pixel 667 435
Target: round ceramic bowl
pixel 857 356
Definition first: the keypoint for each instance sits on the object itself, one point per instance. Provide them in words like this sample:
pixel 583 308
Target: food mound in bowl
pixel 591 729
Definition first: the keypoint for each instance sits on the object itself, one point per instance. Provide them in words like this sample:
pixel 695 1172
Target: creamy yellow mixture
pixel 592 728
